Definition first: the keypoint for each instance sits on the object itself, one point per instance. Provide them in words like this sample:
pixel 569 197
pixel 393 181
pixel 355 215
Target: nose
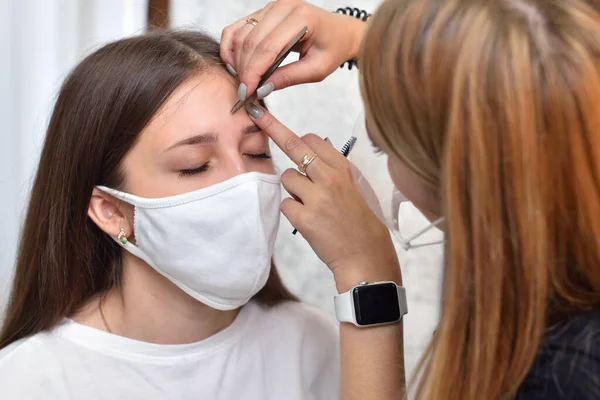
pixel 234 164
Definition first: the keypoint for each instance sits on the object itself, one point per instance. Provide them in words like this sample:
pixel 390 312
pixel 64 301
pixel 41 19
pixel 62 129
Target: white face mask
pixel 377 188
pixel 215 243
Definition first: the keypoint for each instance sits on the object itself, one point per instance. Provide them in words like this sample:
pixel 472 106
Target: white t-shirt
pixel 287 352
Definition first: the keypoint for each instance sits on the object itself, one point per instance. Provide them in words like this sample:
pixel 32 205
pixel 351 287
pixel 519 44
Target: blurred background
pixel 41 40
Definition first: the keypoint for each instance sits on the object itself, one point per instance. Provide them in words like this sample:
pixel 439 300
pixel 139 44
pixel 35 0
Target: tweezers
pixel 263 79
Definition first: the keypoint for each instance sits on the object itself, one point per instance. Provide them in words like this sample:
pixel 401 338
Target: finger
pixel 265 51
pixel 293 146
pixel 238 35
pixel 271 19
pixel 309 69
pixel 297 184
pixel 238 43
pixel 227 35
pixel 326 151
pixel 293 211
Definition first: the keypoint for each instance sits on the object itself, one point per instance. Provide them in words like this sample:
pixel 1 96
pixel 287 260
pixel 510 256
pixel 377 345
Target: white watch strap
pixel 402 302
pixel 344 305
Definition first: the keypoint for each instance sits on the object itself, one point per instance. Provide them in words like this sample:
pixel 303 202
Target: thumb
pixel 305 70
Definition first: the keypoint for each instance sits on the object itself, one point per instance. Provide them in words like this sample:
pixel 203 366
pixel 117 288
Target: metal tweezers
pixel 263 79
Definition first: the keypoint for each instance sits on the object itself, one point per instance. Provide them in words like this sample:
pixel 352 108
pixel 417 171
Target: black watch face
pixel 376 304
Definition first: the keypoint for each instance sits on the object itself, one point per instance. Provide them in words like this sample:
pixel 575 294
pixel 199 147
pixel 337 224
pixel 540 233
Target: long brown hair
pixel 64 258
pixel 495 106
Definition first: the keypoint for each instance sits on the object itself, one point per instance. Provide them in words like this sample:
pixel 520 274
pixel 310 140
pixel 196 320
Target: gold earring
pixel 122 237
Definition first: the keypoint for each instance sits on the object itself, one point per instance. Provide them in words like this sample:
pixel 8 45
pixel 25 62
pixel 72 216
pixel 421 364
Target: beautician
pixel 488 112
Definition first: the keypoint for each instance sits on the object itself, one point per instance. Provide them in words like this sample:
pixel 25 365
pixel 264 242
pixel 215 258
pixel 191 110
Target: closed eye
pixel 376 149
pixel 264 156
pixel 193 171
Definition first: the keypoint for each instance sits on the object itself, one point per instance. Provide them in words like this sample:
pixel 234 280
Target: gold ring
pixel 251 20
pixel 305 163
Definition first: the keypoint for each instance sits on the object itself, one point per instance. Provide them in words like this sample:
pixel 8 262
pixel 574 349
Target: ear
pixel 110 214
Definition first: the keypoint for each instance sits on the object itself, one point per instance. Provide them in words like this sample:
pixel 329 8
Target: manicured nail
pixel 230 69
pixel 255 111
pixel 265 90
pixel 242 91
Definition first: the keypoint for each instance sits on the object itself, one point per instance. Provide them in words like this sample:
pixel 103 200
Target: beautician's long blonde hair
pixel 495 105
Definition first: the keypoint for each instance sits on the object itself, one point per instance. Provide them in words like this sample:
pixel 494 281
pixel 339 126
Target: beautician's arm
pixel 331 40
pixel 333 217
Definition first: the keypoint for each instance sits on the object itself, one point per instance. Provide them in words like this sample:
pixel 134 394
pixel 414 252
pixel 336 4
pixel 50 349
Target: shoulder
pixel 298 328
pixel 294 316
pixel 309 339
pixel 29 367
pixel 568 362
pixel 24 351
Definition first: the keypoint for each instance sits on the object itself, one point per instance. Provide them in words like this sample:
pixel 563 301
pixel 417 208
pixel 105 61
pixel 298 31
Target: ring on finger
pixel 306 162
pixel 252 21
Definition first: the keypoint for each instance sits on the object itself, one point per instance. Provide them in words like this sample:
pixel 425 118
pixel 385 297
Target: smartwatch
pixel 369 304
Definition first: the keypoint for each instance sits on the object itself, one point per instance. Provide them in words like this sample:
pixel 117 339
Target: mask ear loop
pixel 397 200
pixel 407 245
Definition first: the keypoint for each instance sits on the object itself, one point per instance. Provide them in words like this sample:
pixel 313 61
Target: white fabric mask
pixel 215 243
pixel 377 188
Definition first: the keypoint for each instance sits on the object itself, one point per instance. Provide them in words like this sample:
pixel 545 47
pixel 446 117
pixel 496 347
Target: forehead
pixel 207 94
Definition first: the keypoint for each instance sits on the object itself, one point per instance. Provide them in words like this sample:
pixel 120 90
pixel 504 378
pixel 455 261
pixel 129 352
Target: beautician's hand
pixel 250 50
pixel 329 211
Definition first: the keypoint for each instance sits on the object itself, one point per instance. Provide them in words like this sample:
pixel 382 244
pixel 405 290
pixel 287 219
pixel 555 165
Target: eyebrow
pixel 209 137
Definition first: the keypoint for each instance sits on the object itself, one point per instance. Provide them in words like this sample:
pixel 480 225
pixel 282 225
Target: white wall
pixel 41 40
pixel 330 109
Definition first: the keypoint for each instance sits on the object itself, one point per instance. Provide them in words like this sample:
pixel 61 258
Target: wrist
pixel 357 34
pixel 351 273
pixel 353 20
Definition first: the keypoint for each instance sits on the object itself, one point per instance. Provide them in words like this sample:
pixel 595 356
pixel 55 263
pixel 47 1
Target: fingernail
pixel 242 91
pixel 265 90
pixel 230 69
pixel 255 111
pixel 327 140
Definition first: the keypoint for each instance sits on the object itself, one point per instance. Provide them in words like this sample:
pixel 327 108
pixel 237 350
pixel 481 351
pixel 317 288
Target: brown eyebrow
pixel 204 138
pixel 251 129
pixel 210 137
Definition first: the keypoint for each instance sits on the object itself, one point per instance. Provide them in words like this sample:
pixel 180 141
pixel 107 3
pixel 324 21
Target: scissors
pixel 263 79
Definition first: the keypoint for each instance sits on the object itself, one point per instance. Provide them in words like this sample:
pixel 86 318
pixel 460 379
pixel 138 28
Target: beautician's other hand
pixel 250 50
pixel 329 211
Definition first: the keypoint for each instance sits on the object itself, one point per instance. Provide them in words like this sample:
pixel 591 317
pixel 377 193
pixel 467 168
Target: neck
pixel 149 308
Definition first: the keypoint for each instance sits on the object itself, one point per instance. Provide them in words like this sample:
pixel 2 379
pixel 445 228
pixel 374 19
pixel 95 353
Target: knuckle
pixel 303 219
pixel 311 138
pixel 331 180
pixel 302 10
pixel 225 33
pixel 287 175
pixel 267 121
pixel 250 42
pixel 293 143
pixel 237 41
pixel 346 169
pixel 265 47
pixel 320 71
pixel 286 80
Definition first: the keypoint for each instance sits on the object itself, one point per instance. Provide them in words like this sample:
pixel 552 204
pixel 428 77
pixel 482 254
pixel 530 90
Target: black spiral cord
pixel 356 13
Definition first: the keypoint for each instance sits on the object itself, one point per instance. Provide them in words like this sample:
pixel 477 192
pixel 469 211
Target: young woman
pixel 489 113
pixel 144 268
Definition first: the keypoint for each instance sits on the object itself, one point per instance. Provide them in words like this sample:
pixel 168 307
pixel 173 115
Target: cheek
pixel 408 184
pixel 264 166
pixel 412 188
pixel 402 178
